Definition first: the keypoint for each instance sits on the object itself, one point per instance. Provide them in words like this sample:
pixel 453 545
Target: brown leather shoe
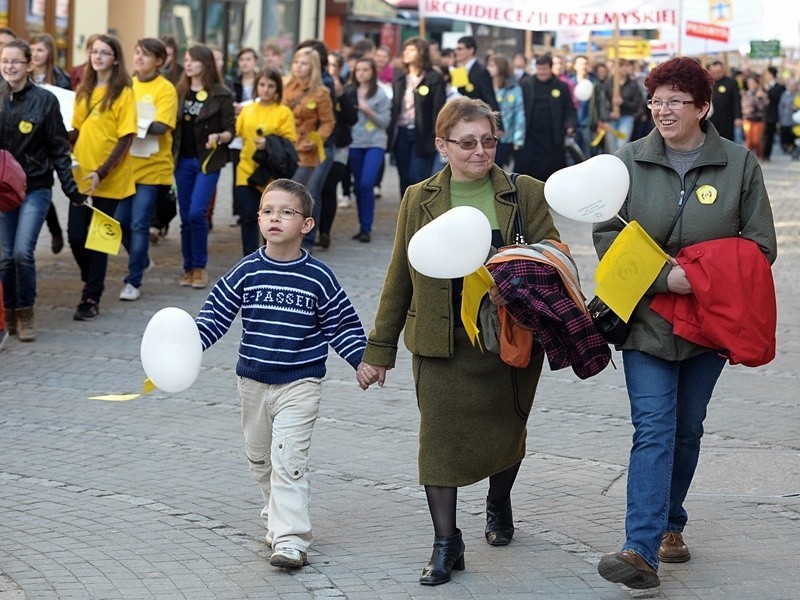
pixel 673 549
pixel 628 568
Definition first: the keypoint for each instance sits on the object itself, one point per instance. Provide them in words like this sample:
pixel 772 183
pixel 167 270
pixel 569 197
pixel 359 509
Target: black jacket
pixel 215 117
pixel 32 129
pixel 345 110
pixel 277 160
pixel 428 101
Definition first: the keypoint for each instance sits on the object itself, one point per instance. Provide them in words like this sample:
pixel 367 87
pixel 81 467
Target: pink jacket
pixel 732 306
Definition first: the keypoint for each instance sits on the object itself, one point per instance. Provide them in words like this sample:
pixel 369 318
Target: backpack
pixel 13 182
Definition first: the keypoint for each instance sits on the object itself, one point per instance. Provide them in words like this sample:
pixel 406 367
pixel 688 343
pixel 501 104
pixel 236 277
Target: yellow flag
pixel 316 138
pixel 148 387
pixel 105 234
pixel 459 77
pixel 598 138
pixel 628 268
pixel 475 287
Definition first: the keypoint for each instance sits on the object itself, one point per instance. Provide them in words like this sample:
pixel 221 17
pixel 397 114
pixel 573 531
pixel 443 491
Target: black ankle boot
pixel 499 523
pixel 448 554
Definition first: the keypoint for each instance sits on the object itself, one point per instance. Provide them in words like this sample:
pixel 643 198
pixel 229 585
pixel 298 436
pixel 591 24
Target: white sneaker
pixel 377 191
pixel 129 293
pixel 234 221
pixel 150 266
pixel 288 558
pixel 345 202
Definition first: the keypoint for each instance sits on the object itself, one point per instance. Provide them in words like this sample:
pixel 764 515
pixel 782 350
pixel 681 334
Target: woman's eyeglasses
pixel 488 141
pixel 284 213
pixel 670 104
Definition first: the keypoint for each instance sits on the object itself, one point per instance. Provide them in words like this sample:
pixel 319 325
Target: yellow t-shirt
pixel 99 133
pixel 271 119
pixel 158 168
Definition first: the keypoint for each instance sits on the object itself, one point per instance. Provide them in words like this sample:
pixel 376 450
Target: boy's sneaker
pixel 288 558
pixel 129 293
pixel 87 311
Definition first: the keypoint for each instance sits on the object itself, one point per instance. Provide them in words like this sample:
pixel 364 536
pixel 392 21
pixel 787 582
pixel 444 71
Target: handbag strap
pixel 519 237
pixel 681 204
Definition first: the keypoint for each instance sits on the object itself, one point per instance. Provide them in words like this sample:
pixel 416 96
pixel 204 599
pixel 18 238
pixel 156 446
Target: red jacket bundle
pixel 732 306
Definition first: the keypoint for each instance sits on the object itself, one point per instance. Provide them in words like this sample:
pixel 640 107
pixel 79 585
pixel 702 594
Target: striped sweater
pixel 291 312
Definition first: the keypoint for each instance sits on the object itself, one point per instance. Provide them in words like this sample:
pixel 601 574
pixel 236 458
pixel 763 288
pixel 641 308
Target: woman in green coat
pixel 473 407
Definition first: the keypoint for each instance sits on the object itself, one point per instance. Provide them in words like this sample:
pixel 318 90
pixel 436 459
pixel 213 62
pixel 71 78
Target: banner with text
pixel 585 15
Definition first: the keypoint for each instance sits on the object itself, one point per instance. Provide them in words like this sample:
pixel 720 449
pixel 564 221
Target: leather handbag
pixel 608 323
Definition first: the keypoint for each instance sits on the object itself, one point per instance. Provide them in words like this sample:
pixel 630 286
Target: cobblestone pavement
pixel 152 498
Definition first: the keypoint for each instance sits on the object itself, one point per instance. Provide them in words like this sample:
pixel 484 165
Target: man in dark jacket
pixel 480 82
pixel 726 103
pixel 775 90
pixel 550 116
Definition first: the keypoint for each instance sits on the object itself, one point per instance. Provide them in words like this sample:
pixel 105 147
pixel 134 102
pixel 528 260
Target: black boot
pixel 448 554
pixel 499 523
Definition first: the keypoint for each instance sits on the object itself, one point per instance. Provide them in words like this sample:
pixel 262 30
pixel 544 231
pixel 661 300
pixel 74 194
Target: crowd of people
pixel 299 130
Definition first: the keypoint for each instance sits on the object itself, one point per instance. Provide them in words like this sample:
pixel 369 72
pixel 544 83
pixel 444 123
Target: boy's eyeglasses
pixel 284 213
pixel 472 143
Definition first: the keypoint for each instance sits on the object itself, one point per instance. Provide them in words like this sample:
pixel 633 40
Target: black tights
pixel 442 500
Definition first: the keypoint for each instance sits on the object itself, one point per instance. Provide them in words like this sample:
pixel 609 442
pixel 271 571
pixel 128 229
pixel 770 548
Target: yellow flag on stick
pixel 475 287
pixel 105 234
pixel 627 269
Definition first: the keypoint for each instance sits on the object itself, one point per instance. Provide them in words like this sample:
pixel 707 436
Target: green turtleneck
pixel 478 194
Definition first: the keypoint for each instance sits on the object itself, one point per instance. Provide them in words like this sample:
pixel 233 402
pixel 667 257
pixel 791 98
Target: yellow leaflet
pixel 627 269
pixel 459 77
pixel 475 287
pixel 618 134
pixel 316 139
pixel 105 234
pixel 207 159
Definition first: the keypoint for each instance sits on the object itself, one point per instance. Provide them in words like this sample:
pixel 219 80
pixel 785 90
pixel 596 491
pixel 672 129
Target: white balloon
pixel 584 89
pixel 454 244
pixel 171 350
pixel 592 191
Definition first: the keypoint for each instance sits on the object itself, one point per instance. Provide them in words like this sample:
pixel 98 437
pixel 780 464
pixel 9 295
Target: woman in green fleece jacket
pixel 473 407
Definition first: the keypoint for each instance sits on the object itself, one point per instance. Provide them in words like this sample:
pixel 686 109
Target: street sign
pixel 707 31
pixel 765 49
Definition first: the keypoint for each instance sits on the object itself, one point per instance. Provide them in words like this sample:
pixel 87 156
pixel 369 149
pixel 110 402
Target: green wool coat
pixel 740 209
pixel 473 407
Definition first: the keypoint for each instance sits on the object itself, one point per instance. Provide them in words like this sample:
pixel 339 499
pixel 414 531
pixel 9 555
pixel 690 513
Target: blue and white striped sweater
pixel 291 312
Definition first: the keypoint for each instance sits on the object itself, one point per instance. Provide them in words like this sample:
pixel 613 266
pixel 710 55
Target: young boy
pixel 292 308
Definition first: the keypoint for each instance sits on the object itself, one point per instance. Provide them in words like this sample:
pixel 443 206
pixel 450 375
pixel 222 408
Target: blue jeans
pixel 365 164
pixel 411 167
pixel 19 230
pixel 195 189
pixel 668 405
pixel 624 125
pixel 134 215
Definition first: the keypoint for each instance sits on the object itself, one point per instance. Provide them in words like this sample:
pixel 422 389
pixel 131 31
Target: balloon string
pixel 621 219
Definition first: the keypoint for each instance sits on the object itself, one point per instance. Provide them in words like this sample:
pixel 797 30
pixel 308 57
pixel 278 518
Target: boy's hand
pixel 367 374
